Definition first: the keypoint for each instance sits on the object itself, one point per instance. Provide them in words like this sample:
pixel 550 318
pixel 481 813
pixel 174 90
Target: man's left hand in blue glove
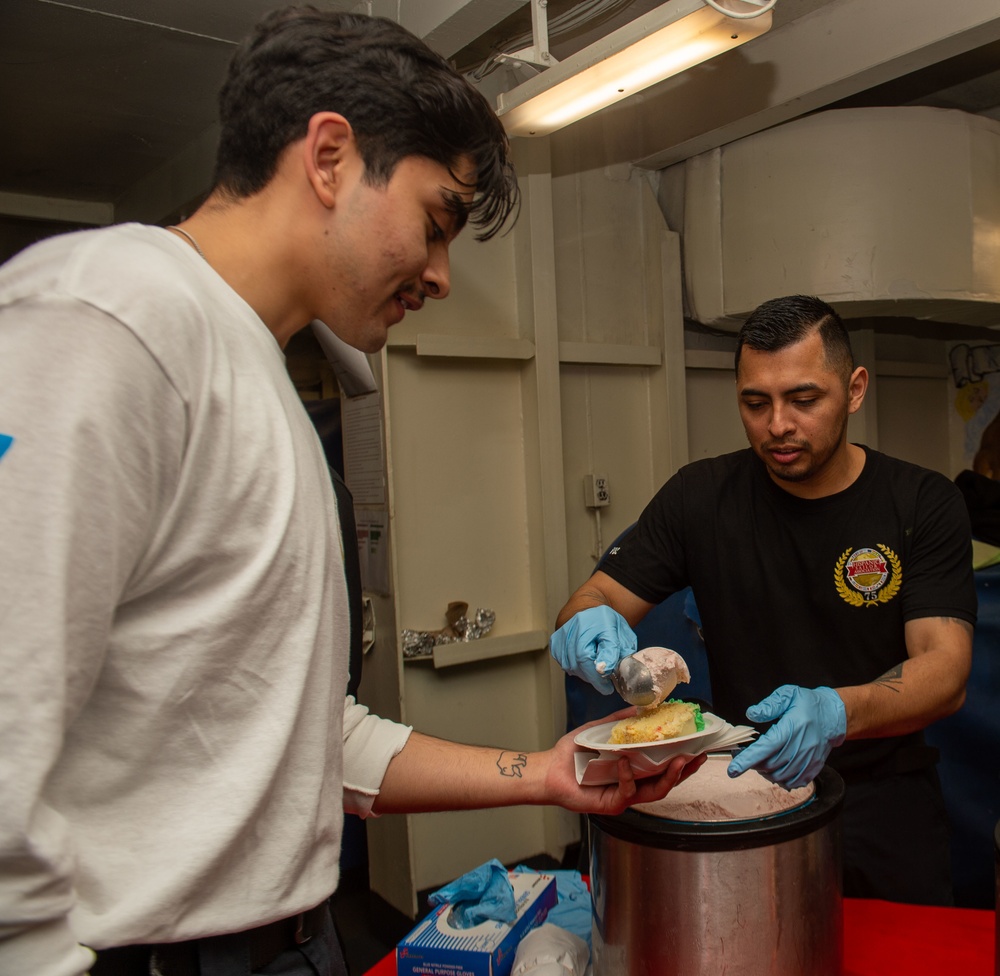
pixel 810 722
pixel 591 643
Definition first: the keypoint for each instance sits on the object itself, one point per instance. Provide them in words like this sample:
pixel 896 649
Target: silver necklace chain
pixel 194 243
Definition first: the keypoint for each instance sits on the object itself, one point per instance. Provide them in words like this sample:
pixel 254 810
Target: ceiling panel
pixel 99 97
pixel 97 101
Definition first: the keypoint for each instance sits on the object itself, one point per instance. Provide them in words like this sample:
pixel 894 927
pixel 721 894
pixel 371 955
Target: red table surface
pixel 882 938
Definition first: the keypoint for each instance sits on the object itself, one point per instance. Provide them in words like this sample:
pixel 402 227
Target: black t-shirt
pixel 805 591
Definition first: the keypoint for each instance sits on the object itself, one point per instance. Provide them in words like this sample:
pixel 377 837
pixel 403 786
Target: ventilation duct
pixel 880 211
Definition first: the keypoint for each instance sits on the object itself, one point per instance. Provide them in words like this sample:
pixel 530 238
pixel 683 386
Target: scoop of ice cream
pixel 666 667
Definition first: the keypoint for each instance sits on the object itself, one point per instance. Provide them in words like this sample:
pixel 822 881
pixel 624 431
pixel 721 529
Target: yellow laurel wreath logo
pixel 885 593
pixel 854 599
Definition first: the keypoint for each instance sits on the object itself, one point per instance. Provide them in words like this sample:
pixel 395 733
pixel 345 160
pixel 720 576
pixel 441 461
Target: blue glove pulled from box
pixel 482 894
pixel 591 643
pixel 810 722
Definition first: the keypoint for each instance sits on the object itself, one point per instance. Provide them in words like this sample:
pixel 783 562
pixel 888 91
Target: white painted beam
pixel 837 50
pixel 56 208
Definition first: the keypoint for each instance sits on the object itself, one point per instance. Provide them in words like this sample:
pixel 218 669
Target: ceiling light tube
pixel 670 39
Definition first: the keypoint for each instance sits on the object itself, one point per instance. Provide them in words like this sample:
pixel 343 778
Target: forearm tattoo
pixel 892 679
pixel 511 763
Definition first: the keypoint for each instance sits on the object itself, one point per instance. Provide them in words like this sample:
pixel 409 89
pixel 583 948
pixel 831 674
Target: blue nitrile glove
pixel 484 893
pixel 592 637
pixel 811 721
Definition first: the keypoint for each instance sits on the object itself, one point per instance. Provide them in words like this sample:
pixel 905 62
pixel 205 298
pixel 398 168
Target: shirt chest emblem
pixel 867 577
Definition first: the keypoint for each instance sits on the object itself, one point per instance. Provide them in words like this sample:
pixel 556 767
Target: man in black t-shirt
pixel 836 595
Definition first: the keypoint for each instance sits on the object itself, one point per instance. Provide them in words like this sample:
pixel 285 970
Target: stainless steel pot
pixel 745 897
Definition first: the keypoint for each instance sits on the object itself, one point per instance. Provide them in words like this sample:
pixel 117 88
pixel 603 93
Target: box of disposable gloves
pixel 457 940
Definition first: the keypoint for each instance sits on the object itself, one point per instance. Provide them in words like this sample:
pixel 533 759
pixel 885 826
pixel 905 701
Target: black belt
pixel 260 945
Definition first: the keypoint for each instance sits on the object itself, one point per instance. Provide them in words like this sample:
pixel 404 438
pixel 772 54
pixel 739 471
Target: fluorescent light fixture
pixel 661 43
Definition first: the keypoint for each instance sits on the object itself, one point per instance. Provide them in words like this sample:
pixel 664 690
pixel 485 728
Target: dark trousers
pixel 230 955
pixel 896 839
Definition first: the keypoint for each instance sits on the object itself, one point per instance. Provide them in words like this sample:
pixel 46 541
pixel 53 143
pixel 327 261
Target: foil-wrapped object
pixel 420 643
pixel 480 625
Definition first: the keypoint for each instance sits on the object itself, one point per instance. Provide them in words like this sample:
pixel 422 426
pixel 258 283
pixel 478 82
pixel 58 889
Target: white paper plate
pixel 596 737
pixel 650 758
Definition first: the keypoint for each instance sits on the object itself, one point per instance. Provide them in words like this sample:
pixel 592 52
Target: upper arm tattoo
pixel 964 624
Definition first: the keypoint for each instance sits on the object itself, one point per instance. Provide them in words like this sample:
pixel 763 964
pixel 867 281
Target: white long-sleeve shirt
pixel 174 738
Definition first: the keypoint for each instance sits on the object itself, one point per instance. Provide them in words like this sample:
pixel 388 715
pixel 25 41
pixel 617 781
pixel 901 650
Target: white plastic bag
pixel 551 951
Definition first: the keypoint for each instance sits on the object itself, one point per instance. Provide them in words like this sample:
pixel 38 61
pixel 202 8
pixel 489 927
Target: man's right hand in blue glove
pixel 591 643
pixel 810 722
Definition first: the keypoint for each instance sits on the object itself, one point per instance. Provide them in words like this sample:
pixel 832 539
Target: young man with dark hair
pixel 835 590
pixel 401 99
pixel 177 749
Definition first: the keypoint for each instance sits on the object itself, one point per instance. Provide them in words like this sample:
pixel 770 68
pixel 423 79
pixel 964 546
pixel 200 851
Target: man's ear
pixel 328 149
pixel 856 388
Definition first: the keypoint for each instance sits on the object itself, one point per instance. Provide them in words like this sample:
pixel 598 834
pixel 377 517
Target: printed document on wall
pixel 373 549
pixel 363 470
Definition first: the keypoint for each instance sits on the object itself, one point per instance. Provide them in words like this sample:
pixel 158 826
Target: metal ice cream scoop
pixel 634 682
pixel 648 676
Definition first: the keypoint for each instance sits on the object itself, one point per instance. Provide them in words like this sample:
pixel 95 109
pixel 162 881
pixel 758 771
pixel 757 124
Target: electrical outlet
pixel 596 493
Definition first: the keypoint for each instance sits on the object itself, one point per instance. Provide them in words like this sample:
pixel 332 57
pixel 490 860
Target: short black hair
pixel 784 321
pixel 400 97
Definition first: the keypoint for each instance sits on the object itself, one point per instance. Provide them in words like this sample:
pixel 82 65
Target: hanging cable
pixel 749 15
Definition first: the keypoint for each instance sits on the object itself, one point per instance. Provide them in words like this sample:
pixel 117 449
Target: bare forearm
pixel 599 591
pixel 583 599
pixel 432 774
pixel 927 686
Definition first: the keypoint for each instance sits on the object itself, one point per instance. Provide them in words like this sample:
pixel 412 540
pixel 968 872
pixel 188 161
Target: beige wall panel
pixel 534 285
pixel 460 533
pixel 483 702
pixel 460 527
pixel 607 236
pixel 913 420
pixel 617 284
pixel 606 430
pixel 714 425
pixel 490 703
pixel 483 297
pixel 985 162
pixel 535 472
pixel 601 249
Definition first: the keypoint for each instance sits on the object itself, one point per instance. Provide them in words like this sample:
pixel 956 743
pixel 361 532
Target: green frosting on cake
pixel 699 721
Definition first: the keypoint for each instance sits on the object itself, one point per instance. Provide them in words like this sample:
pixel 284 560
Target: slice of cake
pixel 666 721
